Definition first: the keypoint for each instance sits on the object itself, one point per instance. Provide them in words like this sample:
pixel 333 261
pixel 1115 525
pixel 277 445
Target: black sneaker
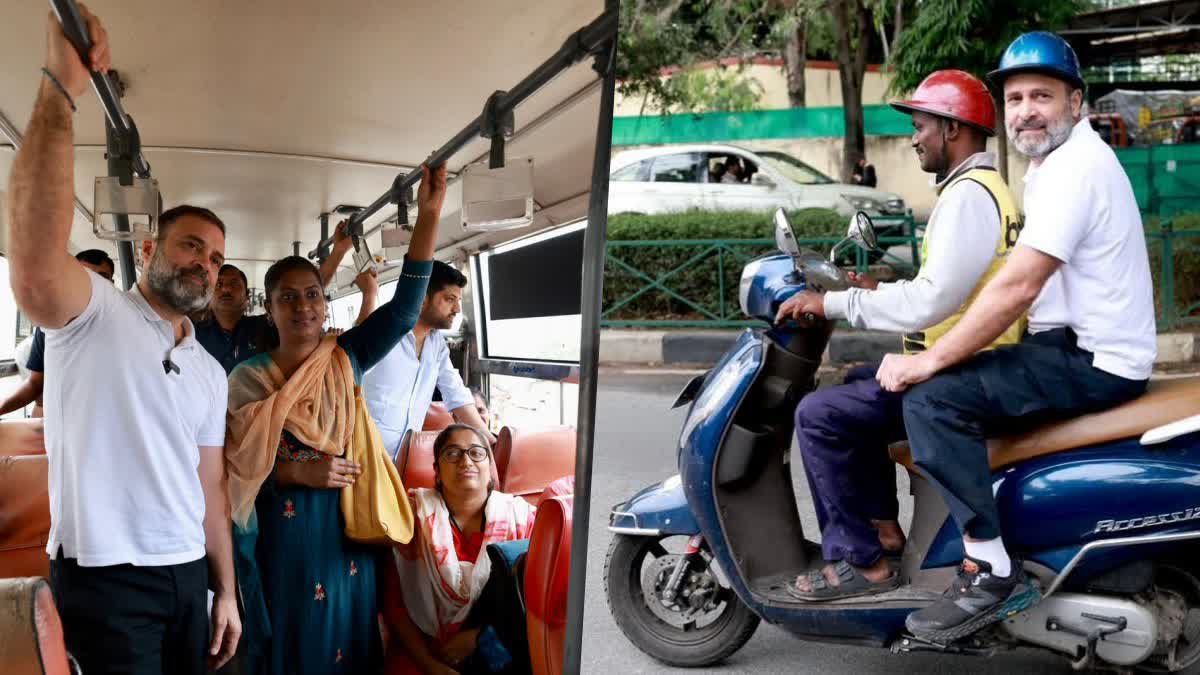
pixel 977 598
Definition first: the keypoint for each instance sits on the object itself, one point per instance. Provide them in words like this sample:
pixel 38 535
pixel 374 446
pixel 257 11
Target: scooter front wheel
pixel 701 625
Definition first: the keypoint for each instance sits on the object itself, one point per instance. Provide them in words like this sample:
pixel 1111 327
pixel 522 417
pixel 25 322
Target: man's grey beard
pixel 1057 132
pixel 168 283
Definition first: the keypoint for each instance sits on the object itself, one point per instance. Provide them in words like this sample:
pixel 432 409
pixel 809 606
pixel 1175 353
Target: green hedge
pixel 700 282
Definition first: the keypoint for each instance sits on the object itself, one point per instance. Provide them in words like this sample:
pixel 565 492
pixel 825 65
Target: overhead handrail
pixel 587 41
pixel 122 143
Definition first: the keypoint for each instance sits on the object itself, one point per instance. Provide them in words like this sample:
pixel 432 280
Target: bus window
pixel 527 311
pixel 9 320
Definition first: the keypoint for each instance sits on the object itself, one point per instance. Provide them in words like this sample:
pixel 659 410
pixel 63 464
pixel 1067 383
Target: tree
pixel 971 35
pixel 852 21
pixel 662 40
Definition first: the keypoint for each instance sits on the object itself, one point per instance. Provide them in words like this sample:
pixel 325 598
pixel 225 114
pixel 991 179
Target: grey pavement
pixel 636 434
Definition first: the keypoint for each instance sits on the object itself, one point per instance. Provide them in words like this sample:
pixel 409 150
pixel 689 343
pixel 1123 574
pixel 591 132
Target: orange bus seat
pixel 438 417
pixel 547 570
pixel 33 635
pixel 22 437
pixel 24 516
pixel 415 459
pixel 534 459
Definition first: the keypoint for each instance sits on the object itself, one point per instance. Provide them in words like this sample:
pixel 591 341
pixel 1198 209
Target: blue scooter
pixel 1103 509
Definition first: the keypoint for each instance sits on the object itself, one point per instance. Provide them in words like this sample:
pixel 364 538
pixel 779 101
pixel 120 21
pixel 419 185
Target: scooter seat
pixel 1165 401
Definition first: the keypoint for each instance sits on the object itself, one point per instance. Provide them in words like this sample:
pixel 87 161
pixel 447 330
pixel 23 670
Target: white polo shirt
pixel 1080 208
pixel 123 436
pixel 399 389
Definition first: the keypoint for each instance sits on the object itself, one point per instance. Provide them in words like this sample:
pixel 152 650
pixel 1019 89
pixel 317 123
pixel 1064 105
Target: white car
pixel 728 178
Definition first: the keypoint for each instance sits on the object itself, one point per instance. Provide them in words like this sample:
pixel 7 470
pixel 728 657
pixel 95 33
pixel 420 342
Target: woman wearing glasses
pixel 437 599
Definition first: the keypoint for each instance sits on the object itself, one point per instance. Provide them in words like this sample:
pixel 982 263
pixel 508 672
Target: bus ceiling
pixel 238 119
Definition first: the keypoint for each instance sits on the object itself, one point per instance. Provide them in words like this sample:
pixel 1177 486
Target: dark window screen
pixel 542 279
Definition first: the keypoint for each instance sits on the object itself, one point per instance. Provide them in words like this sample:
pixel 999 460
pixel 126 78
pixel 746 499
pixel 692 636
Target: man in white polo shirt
pixel 135 412
pixel 399 389
pixel 1080 269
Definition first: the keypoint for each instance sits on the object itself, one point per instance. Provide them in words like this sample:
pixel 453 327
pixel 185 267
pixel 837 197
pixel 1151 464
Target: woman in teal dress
pixel 310 593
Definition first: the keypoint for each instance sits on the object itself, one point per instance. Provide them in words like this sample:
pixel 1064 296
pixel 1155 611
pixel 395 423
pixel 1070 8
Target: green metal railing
pixel 1174 259
pixel 723 255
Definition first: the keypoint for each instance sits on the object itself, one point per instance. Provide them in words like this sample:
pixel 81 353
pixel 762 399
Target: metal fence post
pixel 1170 311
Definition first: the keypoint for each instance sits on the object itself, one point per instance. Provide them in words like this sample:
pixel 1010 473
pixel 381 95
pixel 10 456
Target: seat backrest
pixel 24 516
pixel 22 437
pixel 547 570
pixel 414 462
pixel 33 636
pixel 437 418
pixel 534 459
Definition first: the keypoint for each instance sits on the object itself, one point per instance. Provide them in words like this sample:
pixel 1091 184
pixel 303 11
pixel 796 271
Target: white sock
pixel 992 552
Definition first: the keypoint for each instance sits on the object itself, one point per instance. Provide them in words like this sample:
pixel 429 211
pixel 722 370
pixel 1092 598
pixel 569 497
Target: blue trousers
pixel 1046 377
pixel 843 433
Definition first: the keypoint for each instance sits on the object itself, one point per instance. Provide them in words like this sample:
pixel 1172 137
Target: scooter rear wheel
pixel 701 629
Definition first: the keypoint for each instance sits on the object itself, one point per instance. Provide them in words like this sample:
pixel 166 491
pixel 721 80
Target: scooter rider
pixel 1080 269
pixel 843 431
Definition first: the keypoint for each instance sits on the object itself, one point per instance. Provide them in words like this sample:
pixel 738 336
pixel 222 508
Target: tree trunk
pixel 795 59
pixel 852 64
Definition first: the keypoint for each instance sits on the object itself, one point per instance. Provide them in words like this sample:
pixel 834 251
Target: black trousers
pixel 129 620
pixel 1046 377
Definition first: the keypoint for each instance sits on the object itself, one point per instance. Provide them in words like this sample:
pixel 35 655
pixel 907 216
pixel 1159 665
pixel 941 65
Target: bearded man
pixel 135 410
pixel 399 389
pixel 1081 271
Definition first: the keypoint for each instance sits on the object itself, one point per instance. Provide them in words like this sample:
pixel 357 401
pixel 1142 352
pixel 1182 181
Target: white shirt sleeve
pixel 1058 212
pixel 103 295
pixel 212 432
pixel 454 393
pixel 963 237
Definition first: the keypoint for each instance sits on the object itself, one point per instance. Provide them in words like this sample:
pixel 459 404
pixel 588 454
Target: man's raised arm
pixel 49 286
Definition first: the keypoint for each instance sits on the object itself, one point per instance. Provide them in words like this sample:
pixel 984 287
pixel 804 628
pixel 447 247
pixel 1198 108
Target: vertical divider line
pixel 594 242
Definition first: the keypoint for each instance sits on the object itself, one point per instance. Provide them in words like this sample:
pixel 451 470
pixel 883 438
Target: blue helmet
pixel 1039 52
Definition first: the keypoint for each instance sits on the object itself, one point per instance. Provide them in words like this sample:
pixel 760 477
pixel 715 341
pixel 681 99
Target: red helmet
pixel 954 94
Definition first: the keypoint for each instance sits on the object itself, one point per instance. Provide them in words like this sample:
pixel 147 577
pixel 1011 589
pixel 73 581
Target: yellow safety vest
pixel 1010 228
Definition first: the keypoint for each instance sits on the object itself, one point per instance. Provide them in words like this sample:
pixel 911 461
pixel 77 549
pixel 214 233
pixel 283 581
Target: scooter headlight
pixel 748 274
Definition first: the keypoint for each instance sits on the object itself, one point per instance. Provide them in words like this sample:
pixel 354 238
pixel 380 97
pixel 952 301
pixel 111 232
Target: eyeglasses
pixel 454 453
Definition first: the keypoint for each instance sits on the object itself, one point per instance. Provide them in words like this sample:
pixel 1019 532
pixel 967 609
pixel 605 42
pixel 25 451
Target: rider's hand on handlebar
pixel 801 307
pixel 862 281
pixel 63 61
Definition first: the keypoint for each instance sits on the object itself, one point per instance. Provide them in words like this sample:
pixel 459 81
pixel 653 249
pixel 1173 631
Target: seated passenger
pixel 31 389
pixel 291 418
pixel 843 431
pixel 441 599
pixel 481 407
pixel 717 173
pixel 733 171
pixel 1081 269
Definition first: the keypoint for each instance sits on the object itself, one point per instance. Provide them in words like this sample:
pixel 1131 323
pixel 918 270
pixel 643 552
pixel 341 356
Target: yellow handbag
pixel 376 506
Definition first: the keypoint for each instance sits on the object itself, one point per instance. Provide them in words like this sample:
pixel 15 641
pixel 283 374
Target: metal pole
pixel 106 90
pixel 589 352
pixel 583 42
pixel 122 168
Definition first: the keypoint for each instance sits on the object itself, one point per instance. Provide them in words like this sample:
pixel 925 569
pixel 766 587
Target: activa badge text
pixel 1147 521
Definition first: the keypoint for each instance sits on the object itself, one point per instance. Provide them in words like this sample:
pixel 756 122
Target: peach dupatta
pixel 315 404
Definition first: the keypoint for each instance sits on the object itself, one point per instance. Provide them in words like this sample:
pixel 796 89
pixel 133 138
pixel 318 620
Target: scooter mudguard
pixel 658 510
